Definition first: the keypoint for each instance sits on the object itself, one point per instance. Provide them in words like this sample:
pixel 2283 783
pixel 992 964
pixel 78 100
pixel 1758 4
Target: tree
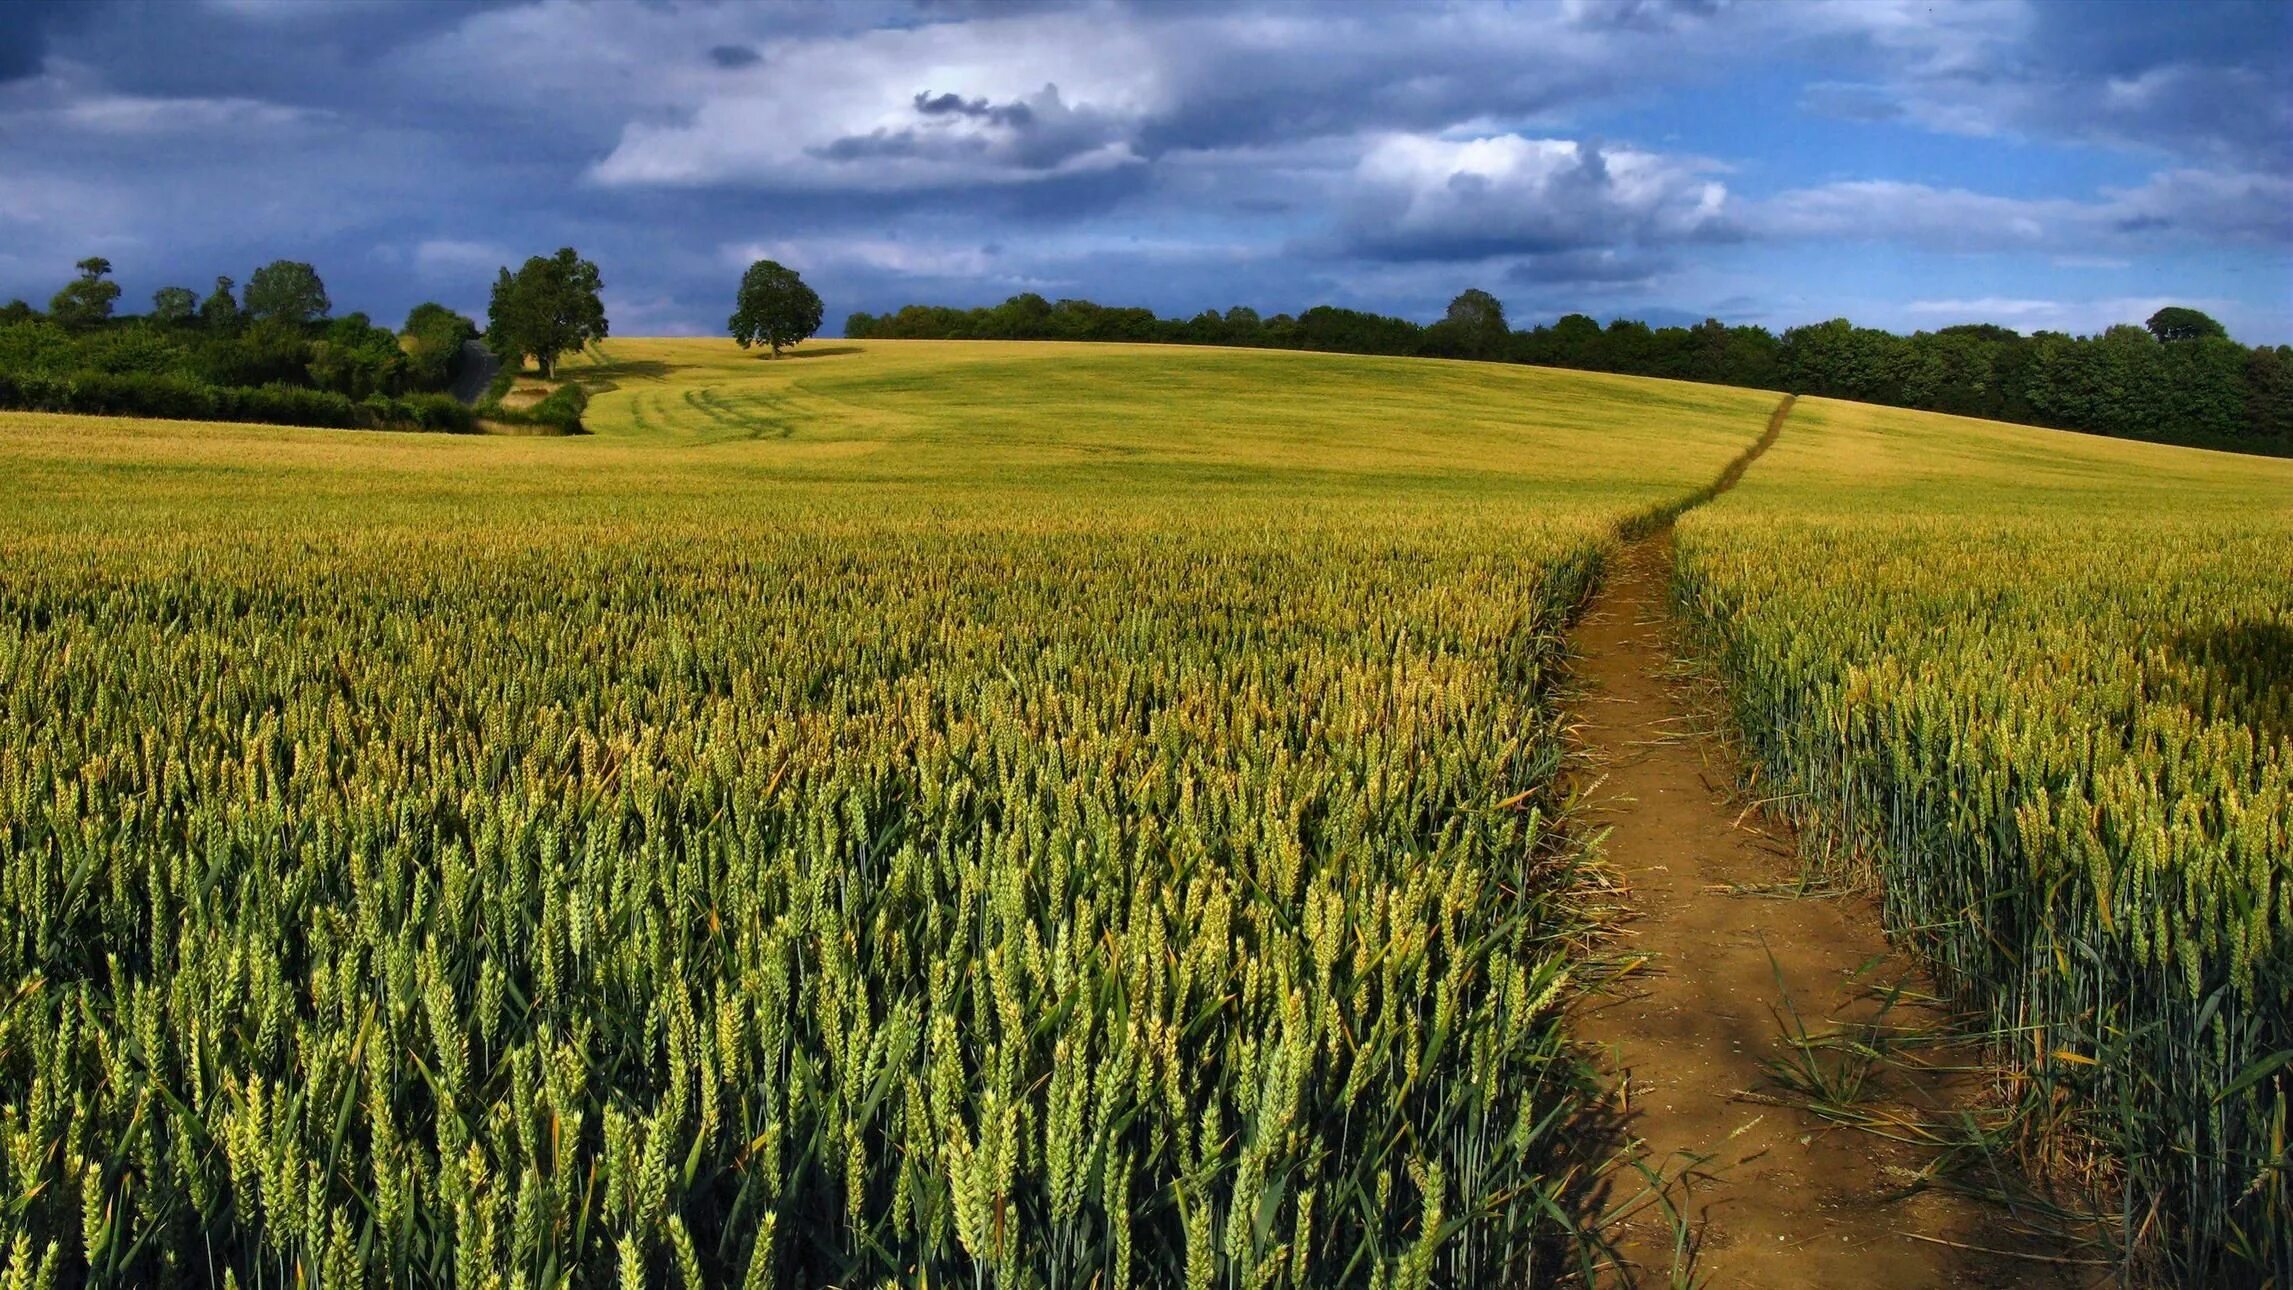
pixel 17 311
pixel 2269 395
pixel 549 307
pixel 430 316
pixel 288 291
pixel 220 311
pixel 433 340
pixel 2174 323
pixel 357 358
pixel 86 301
pixel 173 305
pixel 775 308
pixel 1476 310
pixel 1473 327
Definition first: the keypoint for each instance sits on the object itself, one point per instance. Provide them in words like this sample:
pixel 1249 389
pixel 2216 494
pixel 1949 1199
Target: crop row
pixel 2064 740
pixel 780 903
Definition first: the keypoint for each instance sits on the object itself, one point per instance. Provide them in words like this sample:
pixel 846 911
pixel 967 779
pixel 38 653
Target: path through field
pixel 1784 1198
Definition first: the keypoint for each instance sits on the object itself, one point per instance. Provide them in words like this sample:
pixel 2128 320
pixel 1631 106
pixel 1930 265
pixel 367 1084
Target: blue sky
pixel 1905 163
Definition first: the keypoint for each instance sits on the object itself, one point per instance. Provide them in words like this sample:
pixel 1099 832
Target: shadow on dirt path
pixel 476 372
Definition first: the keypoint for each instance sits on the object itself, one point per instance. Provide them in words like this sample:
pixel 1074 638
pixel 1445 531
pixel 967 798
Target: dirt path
pixel 478 368
pixel 1784 1198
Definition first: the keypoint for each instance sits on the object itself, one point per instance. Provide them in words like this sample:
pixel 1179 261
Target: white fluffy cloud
pixel 1420 197
pixel 943 105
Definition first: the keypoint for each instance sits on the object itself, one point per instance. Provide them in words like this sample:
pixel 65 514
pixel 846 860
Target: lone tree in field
pixel 2177 323
pixel 287 291
pixel 549 307
pixel 775 308
pixel 86 300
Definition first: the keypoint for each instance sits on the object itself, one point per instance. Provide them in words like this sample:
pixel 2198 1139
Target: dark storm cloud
pixel 1037 134
pixel 734 57
pixel 1017 115
pixel 24 29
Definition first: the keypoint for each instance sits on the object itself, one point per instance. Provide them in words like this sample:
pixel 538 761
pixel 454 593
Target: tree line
pixel 271 351
pixel 267 352
pixel 2178 378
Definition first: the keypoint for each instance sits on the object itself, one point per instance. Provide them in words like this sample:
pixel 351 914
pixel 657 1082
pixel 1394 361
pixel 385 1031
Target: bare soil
pixel 1782 1197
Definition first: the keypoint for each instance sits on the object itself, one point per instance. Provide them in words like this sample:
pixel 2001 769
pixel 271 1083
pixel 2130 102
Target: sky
pixel 1904 163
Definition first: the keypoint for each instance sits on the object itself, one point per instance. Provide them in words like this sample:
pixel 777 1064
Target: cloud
pixel 959 141
pixel 24 36
pixel 934 106
pixel 1278 154
pixel 877 255
pixel 2174 207
pixel 1424 198
pixel 1604 266
pixel 2209 82
pixel 134 114
pixel 1016 115
pixel 446 257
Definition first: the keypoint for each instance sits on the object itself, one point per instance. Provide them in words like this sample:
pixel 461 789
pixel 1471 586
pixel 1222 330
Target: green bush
pixel 179 398
pixel 438 412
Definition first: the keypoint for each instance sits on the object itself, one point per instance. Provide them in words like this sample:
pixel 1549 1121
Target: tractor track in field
pixel 1764 1192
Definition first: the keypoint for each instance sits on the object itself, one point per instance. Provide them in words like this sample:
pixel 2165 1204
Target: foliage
pixel 219 312
pixel 1473 327
pixel 86 301
pixel 173 397
pixel 358 359
pixel 2175 323
pixel 2044 691
pixel 174 305
pixel 774 308
pixel 349 357
pixel 37 346
pixel 550 307
pixel 286 291
pixel 141 349
pixel 228 369
pixel 433 340
pixel 560 410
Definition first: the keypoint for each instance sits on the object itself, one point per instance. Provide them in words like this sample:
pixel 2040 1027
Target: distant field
pixel 2044 682
pixel 964 812
pixel 701 430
